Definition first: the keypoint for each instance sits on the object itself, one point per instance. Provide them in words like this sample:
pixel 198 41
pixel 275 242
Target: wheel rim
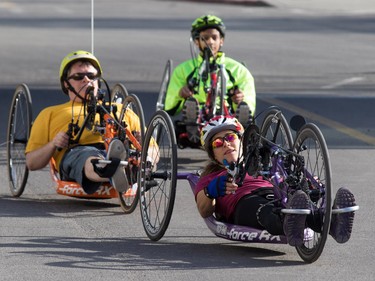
pixel 18 133
pixel 276 129
pixel 311 145
pixel 157 188
pixel 129 198
pixel 119 93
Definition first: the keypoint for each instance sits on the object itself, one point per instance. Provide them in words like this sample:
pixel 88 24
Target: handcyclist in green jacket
pixel 187 90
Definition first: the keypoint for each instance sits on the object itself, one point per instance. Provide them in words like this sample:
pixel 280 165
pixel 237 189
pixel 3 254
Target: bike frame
pixel 230 231
pixel 111 129
pixel 214 91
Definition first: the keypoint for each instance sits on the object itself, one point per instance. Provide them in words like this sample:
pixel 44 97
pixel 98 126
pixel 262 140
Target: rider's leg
pixel 77 166
pixel 256 211
pixel 113 172
pixel 243 114
pixel 72 166
pixel 270 220
pixel 89 172
pixel 190 115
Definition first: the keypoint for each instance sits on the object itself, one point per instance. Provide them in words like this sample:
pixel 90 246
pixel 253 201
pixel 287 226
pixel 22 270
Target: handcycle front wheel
pixel 276 129
pixel 310 144
pixel 19 125
pixel 133 109
pixel 158 179
pixel 164 85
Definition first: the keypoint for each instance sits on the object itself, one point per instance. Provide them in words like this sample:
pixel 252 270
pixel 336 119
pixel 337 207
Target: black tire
pixel 311 145
pixel 222 88
pixel 251 150
pixel 129 199
pixel 158 182
pixel 19 125
pixel 119 93
pixel 276 129
pixel 164 85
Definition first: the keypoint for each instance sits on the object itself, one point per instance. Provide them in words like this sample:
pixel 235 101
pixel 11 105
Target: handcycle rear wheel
pixel 157 182
pixel 311 145
pixel 164 85
pixel 19 125
pixel 276 129
pixel 119 93
pixel 129 198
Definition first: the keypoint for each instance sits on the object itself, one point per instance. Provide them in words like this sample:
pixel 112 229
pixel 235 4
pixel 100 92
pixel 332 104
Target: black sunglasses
pixel 79 76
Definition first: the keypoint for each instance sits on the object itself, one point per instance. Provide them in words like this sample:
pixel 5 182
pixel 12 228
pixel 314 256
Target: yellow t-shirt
pixel 55 119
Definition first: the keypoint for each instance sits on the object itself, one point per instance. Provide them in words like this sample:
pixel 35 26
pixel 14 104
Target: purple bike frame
pixel 230 231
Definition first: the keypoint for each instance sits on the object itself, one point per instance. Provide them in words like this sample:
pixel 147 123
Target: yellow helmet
pixel 71 58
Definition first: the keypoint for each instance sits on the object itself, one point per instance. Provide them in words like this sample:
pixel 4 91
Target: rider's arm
pixel 205 205
pixel 185 92
pixel 173 100
pixel 39 158
pixel 247 87
pixel 208 189
pixel 244 84
pixel 177 89
pixel 45 137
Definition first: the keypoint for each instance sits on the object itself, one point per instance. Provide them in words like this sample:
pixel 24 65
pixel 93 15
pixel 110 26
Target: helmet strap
pixel 71 88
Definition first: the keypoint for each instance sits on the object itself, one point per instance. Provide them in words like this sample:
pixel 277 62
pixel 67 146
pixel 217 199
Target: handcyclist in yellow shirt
pixel 49 138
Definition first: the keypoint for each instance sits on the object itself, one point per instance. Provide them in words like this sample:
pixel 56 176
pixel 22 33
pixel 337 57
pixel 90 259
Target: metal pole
pixel 92 26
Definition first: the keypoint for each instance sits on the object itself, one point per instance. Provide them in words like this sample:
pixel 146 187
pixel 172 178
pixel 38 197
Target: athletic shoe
pixel 294 224
pixel 116 151
pixel 190 117
pixel 342 223
pixel 243 113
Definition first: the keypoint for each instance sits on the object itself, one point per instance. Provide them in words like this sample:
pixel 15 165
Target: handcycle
pixel 210 74
pixel 270 152
pixel 111 106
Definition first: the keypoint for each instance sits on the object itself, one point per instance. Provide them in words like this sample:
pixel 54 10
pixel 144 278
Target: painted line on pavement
pixel 328 122
pixel 344 82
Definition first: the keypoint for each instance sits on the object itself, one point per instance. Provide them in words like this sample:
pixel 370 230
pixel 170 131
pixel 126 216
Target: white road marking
pixel 344 82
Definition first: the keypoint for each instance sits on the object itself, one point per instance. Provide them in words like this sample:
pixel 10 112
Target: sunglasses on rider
pixel 79 76
pixel 219 142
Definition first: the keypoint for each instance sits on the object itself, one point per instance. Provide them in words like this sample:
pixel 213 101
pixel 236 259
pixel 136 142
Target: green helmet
pixel 73 57
pixel 205 22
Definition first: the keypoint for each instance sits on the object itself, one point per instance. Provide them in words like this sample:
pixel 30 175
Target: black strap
pixel 108 170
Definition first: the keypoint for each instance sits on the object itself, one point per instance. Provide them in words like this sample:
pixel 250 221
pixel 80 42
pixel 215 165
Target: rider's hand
pixel 61 140
pixel 185 92
pixel 217 187
pixel 237 96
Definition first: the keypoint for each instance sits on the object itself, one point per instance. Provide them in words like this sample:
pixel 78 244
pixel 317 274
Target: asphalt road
pixel 314 59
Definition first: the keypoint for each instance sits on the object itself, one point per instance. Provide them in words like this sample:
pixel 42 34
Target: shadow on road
pixel 27 206
pixel 134 254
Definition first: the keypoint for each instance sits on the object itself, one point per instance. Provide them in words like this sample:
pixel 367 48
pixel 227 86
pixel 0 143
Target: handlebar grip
pixel 191 84
pixel 69 133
